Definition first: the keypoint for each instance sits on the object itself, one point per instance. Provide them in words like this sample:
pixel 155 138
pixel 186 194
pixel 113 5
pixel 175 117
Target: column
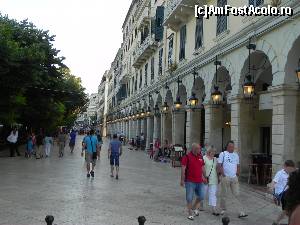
pixel 285 124
pixel 157 128
pixel 213 126
pixel 138 127
pixel 166 128
pixel 149 138
pixel 178 127
pixel 193 127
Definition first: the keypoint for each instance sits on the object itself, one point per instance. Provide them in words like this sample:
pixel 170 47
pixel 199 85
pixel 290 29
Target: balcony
pixel 145 19
pixel 178 12
pixel 143 51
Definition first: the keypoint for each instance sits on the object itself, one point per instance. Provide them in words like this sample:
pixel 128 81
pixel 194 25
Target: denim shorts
pixel 114 159
pixel 197 188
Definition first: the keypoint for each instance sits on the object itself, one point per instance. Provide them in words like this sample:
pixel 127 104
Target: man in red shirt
pixel 193 177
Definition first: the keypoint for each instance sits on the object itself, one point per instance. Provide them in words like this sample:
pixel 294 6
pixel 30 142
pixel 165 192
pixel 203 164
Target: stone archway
pixel 218 117
pixel 166 120
pixel 255 116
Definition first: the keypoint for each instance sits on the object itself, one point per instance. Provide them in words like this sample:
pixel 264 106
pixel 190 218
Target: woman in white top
pixel 211 173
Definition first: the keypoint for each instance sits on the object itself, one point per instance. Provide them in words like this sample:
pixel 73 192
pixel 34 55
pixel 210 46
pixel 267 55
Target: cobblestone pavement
pixel 30 189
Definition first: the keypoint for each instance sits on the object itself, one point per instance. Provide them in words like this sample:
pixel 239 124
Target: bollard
pixel 49 220
pixel 141 220
pixel 225 220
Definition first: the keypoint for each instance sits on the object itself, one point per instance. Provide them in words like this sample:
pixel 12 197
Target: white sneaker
pixel 222 212
pixel 191 217
pixel 196 212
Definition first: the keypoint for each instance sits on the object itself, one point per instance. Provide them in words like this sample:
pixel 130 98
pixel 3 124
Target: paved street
pixel 31 189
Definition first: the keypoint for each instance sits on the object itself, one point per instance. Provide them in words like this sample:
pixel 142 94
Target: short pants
pixel 114 159
pixel 89 158
pixel 197 188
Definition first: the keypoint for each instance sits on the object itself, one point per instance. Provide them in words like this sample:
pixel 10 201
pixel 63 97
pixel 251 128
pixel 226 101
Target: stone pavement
pixel 30 189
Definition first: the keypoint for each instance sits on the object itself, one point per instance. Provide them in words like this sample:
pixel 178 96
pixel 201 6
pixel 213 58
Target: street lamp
pixel 249 86
pixel 177 103
pixel 148 112
pixel 142 113
pixel 193 100
pixel 298 71
pixel 165 108
pixel 216 95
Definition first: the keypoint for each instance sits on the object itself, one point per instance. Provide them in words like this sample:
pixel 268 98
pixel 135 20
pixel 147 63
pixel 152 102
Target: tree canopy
pixel 36 87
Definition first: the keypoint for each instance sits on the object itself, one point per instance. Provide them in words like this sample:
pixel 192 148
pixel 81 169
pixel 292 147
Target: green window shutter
pixel 159 28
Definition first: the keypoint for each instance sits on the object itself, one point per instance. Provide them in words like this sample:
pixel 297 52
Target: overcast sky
pixel 88 32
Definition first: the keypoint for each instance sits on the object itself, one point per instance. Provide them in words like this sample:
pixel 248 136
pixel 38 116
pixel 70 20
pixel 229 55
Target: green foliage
pixel 36 88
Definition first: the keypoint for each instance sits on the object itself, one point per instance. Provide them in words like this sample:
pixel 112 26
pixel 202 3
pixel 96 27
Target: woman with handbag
pixel 212 178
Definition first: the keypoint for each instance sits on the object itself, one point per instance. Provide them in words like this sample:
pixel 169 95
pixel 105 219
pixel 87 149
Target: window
pixel 170 53
pixel 146 74
pixel 152 68
pixel 221 20
pixel 256 3
pixel 135 32
pixel 159 19
pixel 141 78
pixel 182 42
pixel 160 61
pixel 199 33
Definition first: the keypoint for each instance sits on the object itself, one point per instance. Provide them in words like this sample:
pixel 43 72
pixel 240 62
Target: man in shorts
pixel 114 152
pixel 90 145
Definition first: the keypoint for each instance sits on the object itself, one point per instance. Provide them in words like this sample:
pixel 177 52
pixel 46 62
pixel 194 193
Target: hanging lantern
pixel 216 96
pixel 148 112
pixel 249 88
pixel 177 103
pixel 142 113
pixel 193 100
pixel 165 108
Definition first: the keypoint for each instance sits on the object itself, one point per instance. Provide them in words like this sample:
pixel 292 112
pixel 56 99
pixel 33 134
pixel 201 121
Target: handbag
pixel 95 155
pixel 210 170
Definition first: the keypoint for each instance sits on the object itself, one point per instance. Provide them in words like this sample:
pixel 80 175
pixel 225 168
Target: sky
pixel 88 32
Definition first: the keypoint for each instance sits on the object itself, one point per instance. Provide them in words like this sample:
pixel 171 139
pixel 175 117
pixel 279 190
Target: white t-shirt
pixel 230 162
pixel 13 138
pixel 281 179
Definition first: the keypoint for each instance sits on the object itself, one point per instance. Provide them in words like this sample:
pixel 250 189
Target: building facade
pixel 183 79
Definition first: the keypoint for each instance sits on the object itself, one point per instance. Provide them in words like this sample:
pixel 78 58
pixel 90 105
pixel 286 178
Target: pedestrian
pixel 90 145
pixel 29 146
pixel 72 140
pixel 114 153
pixel 39 146
pixel 100 142
pixel 193 178
pixel 34 143
pixel 13 142
pixel 48 141
pixel 292 198
pixel 279 187
pixel 156 149
pixel 212 178
pixel 142 140
pixel 61 143
pixel 229 172
pixel 204 148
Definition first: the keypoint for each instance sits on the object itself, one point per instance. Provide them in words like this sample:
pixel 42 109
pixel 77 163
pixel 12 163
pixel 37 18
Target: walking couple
pixel 201 174
pixel 92 148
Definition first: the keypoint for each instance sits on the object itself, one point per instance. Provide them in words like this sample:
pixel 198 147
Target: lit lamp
pixel 178 103
pixel 165 108
pixel 216 96
pixel 298 71
pixel 193 100
pixel 142 113
pixel 148 112
pixel 248 87
pixel 137 114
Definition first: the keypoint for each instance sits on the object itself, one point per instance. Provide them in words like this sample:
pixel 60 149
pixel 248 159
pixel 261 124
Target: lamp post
pixel 178 103
pixel 165 108
pixel 249 86
pixel 193 100
pixel 216 95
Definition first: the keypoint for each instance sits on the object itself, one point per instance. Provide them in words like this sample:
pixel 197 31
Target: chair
pixel 253 173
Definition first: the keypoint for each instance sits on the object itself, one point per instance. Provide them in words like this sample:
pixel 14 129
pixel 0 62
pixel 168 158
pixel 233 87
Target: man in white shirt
pixel 229 171
pixel 12 141
pixel 279 187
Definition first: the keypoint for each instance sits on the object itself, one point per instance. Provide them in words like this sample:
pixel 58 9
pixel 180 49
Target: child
pixel 29 147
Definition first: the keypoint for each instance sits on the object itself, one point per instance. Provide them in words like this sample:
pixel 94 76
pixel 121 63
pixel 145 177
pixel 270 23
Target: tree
pixel 36 88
